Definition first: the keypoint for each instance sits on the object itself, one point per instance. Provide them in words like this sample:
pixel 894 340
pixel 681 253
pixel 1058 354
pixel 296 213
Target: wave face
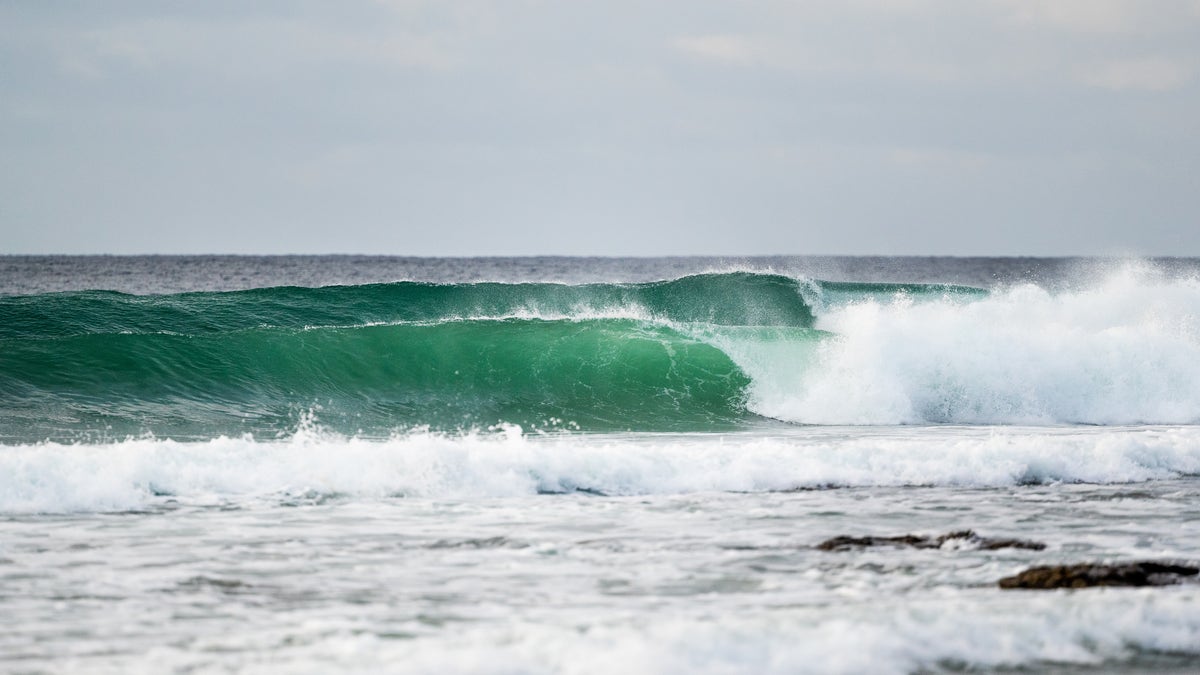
pixel 594 374
pixel 697 353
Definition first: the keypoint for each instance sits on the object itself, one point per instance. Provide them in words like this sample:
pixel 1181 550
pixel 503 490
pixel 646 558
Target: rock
pixel 1145 573
pixel 962 539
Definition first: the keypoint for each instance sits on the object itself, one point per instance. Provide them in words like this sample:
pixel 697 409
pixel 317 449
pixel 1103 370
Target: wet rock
pixel 1144 573
pixel 961 539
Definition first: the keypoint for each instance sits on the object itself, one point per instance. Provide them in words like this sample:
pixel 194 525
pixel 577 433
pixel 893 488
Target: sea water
pixel 557 465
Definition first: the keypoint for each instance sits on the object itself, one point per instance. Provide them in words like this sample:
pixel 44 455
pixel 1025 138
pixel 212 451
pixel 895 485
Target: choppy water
pixel 560 465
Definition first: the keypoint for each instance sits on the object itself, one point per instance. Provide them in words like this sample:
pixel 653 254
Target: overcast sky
pixel 615 127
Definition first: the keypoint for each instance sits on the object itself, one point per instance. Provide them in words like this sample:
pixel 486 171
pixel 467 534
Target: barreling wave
pixel 599 374
pixel 376 358
pixel 699 353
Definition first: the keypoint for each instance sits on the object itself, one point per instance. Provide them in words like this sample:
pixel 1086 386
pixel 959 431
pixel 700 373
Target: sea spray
pixel 1125 352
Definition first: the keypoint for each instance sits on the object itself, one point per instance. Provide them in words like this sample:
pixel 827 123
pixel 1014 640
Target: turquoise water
pixel 380 358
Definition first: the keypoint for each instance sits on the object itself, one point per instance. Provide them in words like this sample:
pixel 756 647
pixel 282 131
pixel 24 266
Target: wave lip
pixel 732 298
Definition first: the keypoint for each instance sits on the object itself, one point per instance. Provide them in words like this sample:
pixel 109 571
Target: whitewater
pixel 592 465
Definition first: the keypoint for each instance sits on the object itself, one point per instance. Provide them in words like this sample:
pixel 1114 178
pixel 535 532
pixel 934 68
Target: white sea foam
pixel 52 477
pixel 1124 352
pixel 984 629
pixel 891 639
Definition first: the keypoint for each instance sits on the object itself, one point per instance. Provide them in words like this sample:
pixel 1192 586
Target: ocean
pixel 312 464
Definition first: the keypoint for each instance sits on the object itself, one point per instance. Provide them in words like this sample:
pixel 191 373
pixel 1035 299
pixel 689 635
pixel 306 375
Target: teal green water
pixel 378 358
pixel 722 299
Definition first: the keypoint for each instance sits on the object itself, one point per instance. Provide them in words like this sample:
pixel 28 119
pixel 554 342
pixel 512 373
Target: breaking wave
pixel 712 352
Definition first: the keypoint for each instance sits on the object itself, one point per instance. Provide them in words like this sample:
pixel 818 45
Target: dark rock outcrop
pixel 1145 573
pixel 966 538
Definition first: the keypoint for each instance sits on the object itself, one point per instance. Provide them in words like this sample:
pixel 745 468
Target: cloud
pixel 729 49
pixel 389 114
pixel 1102 17
pixel 246 47
pixel 1156 74
pixel 1009 43
pixel 890 60
pixel 938 159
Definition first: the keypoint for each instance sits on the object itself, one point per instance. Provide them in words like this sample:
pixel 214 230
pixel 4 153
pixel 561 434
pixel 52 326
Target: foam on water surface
pixel 916 636
pixel 697 582
pixel 52 477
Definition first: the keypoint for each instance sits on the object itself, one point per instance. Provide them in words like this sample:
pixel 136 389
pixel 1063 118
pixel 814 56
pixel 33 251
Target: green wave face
pixel 591 375
pixel 378 358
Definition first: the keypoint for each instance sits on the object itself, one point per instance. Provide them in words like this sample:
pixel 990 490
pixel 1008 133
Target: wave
pixel 1124 352
pixel 598 374
pixel 737 298
pixel 314 464
pixel 708 352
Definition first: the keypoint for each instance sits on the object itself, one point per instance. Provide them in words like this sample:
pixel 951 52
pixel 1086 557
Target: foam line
pixel 132 474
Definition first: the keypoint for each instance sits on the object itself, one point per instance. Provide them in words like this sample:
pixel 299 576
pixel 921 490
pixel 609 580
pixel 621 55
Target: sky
pixel 613 127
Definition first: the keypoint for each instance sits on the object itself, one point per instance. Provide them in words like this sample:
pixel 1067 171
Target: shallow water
pixel 702 581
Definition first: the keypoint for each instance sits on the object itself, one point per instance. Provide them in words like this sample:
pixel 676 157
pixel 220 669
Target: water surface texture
pixel 549 465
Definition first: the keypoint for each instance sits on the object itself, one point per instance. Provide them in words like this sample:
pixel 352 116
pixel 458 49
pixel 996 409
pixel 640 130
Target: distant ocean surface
pixel 592 465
